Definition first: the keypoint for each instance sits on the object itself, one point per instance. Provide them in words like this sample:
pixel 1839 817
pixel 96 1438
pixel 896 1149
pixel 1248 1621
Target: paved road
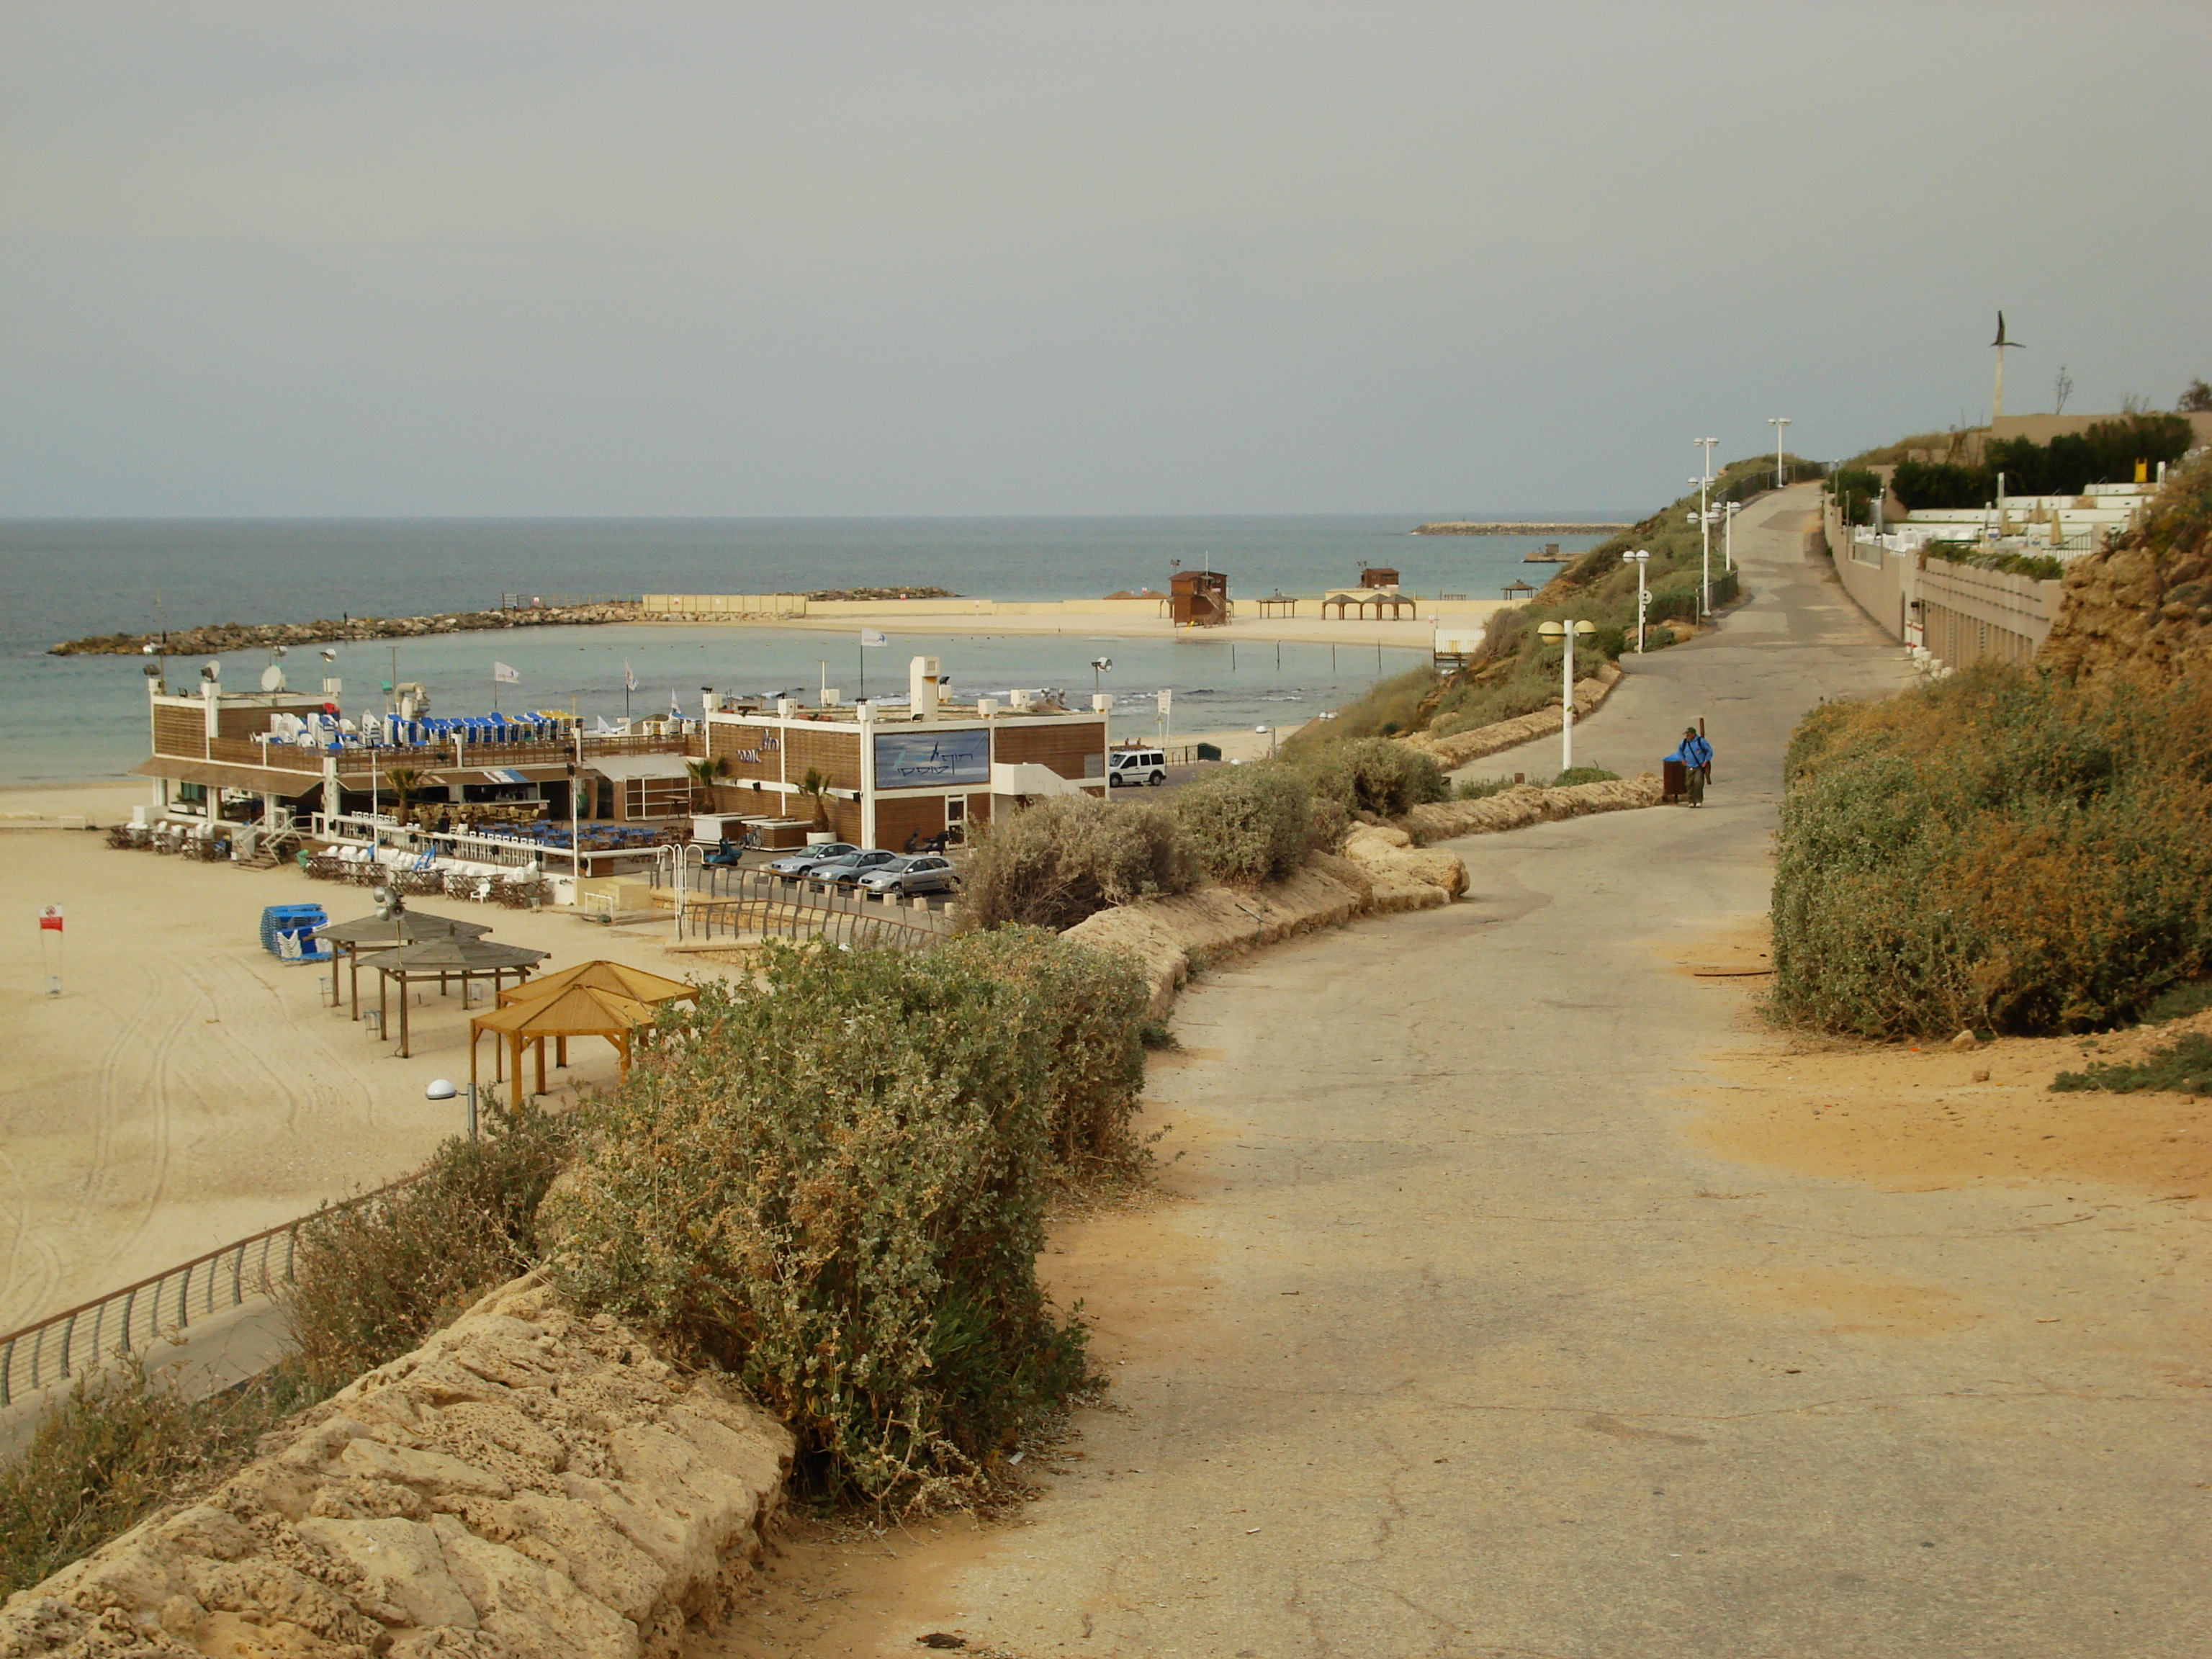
pixel 1453 1344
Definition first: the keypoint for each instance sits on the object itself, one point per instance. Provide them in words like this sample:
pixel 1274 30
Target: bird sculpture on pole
pixel 2001 345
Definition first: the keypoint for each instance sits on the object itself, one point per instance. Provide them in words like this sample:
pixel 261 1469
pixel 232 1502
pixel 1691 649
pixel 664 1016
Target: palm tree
pixel 815 789
pixel 403 780
pixel 704 775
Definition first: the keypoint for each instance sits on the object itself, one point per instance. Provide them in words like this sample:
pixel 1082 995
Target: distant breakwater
pixel 220 637
pixel 217 638
pixel 1470 527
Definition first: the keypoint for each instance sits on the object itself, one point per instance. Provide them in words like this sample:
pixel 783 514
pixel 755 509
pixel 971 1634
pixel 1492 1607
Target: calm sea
pixel 64 717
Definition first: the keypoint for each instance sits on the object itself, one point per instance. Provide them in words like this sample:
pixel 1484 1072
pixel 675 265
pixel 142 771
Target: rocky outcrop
pixel 1380 871
pixel 530 1483
pixel 2144 606
pixel 1524 803
pixel 214 641
pixel 1461 747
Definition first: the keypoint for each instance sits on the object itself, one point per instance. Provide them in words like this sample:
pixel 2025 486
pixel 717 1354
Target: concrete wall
pixel 1964 615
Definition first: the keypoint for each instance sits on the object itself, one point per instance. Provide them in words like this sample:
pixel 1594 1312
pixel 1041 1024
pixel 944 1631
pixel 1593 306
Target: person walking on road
pixel 1697 757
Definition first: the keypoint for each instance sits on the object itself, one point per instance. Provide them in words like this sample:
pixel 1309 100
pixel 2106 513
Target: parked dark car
pixel 801 862
pixel 923 872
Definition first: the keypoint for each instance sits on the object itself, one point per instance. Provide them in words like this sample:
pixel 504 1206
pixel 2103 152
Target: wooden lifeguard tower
pixel 1200 598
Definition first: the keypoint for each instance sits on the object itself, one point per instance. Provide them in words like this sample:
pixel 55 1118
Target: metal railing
pixel 76 1339
pixel 720 899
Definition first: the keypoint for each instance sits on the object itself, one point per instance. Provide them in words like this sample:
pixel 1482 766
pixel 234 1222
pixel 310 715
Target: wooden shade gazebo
pixel 1351 598
pixel 350 939
pixel 445 960
pixel 619 978
pixel 578 1010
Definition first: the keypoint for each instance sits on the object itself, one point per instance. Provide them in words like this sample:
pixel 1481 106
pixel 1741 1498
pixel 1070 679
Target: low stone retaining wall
pixel 527 1482
pixel 1461 747
pixel 1379 871
pixel 1524 803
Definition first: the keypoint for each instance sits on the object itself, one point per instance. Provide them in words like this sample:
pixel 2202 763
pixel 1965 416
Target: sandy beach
pixel 186 1089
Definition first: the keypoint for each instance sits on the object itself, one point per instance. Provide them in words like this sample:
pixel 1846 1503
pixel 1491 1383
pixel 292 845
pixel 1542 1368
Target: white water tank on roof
pixel 921 688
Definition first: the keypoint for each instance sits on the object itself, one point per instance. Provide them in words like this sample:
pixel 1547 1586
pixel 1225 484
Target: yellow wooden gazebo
pixel 578 1010
pixel 618 978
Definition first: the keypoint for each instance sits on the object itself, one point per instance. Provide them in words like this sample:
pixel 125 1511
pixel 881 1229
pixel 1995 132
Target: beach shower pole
pixel 1562 632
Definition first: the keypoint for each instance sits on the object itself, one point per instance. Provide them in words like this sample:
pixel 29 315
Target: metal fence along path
pixel 79 1339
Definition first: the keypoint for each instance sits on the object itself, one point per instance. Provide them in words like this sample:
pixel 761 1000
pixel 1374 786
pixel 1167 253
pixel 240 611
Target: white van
pixel 1134 766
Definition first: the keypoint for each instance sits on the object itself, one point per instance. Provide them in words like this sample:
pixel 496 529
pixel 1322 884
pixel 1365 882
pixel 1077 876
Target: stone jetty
pixel 1475 527
pixel 221 637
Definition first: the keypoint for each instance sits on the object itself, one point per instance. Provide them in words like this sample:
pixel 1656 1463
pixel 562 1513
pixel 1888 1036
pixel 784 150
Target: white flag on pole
pixel 504 675
pixel 630 679
pixel 874 636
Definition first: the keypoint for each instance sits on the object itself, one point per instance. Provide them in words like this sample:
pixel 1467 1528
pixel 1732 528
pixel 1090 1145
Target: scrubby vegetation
pixel 1068 857
pixel 117 1447
pixel 832 1185
pixel 372 1279
pixel 1247 825
pixel 2181 1067
pixel 2005 849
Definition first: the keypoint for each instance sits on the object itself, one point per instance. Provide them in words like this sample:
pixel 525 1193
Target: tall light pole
pixel 1777 422
pixel 1705 526
pixel 1555 633
pixel 1727 536
pixel 1640 558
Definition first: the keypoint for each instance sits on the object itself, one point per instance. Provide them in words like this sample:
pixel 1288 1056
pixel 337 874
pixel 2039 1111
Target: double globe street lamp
pixel 1557 633
pixel 1640 558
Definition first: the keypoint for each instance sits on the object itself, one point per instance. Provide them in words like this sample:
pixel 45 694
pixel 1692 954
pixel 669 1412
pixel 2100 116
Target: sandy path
pixel 187 1089
pixel 1478 1317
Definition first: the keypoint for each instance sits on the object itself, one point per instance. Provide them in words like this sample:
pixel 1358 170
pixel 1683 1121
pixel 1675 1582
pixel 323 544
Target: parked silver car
pixel 801 862
pixel 914 873
pixel 850 869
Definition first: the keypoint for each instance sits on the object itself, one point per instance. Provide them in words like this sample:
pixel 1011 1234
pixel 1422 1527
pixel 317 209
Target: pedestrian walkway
pixel 1450 1340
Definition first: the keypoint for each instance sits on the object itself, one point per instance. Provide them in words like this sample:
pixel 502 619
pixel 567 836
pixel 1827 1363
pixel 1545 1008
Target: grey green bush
pixel 1373 775
pixel 1247 825
pixel 832 1184
pixel 1059 860
pixel 2002 850
pixel 372 1280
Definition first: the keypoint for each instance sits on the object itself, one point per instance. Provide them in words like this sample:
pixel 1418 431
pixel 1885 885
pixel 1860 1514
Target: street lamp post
pixel 1777 422
pixel 1558 633
pixel 1640 558
pixel 444 1089
pixel 1705 529
pixel 1727 536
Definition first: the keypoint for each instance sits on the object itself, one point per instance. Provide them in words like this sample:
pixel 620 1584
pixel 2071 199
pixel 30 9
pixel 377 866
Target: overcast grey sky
pixel 644 259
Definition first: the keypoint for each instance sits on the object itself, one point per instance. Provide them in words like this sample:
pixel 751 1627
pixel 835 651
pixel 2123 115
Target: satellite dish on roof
pixel 272 678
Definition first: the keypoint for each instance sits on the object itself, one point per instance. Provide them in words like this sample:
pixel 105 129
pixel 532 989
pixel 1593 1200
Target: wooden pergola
pixel 578 1010
pixel 350 939
pixel 619 978
pixel 445 960
pixel 1398 604
pixel 616 978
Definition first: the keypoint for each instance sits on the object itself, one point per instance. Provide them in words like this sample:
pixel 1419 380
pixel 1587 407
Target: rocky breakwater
pixel 1484 527
pixel 529 1482
pixel 218 638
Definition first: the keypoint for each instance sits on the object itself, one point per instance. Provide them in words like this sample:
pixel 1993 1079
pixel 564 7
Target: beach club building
pixel 277 757
pixel 915 771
